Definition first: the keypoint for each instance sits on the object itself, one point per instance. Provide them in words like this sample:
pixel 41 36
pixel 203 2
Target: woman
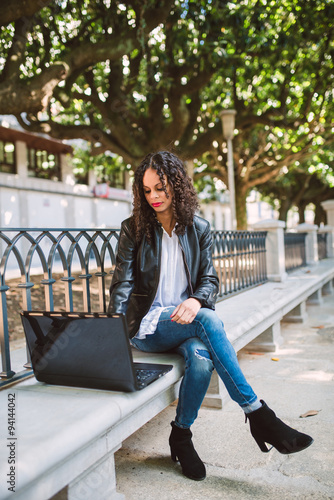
pixel 165 283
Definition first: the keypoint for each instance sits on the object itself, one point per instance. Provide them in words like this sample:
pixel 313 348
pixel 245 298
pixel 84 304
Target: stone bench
pixel 253 318
pixel 66 437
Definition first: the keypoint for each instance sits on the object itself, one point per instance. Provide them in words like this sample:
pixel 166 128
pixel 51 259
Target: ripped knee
pixel 202 354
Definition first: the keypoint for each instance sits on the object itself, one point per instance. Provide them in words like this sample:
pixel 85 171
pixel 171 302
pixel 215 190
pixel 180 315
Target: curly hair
pixel 184 202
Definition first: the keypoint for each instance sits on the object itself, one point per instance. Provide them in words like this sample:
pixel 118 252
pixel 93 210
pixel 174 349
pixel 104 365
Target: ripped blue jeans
pixel 204 346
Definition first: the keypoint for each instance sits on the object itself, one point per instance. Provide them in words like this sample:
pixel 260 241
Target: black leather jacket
pixel 136 276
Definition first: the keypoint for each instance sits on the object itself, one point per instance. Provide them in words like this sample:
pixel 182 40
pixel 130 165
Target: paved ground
pixel 302 379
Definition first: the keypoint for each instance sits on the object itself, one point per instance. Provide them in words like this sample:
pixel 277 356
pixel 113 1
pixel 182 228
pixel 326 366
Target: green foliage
pixel 104 165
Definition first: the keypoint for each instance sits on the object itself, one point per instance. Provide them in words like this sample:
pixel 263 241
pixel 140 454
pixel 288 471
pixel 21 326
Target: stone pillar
pixel 269 340
pixel 128 184
pixel 67 176
pixel 217 395
pixel 275 253
pixel 328 206
pixel 311 242
pixel 315 299
pixel 22 172
pixel 329 230
pixel 92 181
pixel 297 315
pixel 327 289
pixel 21 159
pixel 98 481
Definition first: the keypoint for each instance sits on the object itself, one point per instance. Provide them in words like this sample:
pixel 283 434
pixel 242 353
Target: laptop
pixel 90 350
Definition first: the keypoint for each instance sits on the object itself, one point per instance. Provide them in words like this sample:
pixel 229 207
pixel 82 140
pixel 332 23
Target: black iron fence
pixel 70 267
pixel 70 270
pixel 322 245
pixel 240 260
pixel 295 251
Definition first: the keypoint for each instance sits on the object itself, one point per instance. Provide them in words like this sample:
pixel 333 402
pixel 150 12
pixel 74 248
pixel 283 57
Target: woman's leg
pixel 210 330
pixel 195 382
pixel 265 426
pixel 193 388
pixel 198 370
pixel 197 376
pixel 199 350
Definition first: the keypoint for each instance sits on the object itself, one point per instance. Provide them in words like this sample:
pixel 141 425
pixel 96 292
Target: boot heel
pixel 261 444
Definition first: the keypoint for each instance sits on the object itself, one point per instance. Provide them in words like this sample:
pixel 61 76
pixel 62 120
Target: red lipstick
pixel 156 204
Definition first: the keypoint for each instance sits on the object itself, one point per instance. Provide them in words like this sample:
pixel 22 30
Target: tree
pixel 121 78
pixel 58 41
pixel 298 189
pixel 131 77
pixel 281 87
pixel 308 183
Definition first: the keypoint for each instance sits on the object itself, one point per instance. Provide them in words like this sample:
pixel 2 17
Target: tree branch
pixel 16 52
pixel 35 95
pixel 16 9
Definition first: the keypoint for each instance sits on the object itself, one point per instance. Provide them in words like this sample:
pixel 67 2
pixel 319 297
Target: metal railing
pixel 322 245
pixel 67 256
pixel 240 260
pixel 295 251
pixel 80 262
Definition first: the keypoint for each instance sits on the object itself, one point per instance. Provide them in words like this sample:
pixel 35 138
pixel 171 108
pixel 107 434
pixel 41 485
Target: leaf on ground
pixel 309 413
pixel 319 327
pixel 256 353
pixel 274 359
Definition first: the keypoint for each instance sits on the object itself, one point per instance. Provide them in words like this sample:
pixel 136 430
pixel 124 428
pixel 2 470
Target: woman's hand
pixel 186 312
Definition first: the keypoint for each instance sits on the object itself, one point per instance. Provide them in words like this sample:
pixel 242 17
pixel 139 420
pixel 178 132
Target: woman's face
pixel 155 194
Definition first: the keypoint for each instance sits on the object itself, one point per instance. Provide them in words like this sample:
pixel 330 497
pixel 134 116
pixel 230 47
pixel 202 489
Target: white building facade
pixel 28 200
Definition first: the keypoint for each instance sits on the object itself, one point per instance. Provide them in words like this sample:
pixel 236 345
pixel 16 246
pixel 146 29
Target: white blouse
pixel 173 284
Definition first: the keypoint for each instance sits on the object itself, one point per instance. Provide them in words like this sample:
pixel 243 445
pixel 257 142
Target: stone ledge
pixel 63 431
pixel 252 312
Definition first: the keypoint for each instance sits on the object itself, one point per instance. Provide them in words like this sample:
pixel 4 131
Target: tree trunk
pixel 301 212
pixel 241 206
pixel 284 209
pixel 319 215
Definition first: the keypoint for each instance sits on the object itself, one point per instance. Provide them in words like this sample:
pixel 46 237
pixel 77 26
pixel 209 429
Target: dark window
pixel 117 179
pixel 43 165
pixel 81 177
pixel 7 157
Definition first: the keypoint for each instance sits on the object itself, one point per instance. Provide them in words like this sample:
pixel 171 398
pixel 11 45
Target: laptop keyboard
pixel 143 374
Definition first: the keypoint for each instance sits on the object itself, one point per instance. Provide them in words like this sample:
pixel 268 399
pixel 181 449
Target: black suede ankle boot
pixel 182 448
pixel 267 428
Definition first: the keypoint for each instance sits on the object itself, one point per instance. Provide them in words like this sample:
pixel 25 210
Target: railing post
pixel 311 242
pixel 329 230
pixel 7 372
pixel 275 254
pixel 328 206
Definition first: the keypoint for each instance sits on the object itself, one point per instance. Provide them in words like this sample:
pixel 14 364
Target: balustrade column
pixel 328 206
pixel 21 159
pixel 329 230
pixel 311 242
pixel 275 253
